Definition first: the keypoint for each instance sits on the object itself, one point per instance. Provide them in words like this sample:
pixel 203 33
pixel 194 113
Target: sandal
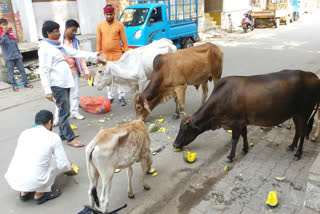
pixel 63 138
pixel 15 88
pixel 26 197
pixel 28 86
pixel 48 196
pixel 76 143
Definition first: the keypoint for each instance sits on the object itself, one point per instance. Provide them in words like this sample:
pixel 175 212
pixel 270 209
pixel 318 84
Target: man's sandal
pixel 28 86
pixel 15 88
pixel 48 196
pixel 26 197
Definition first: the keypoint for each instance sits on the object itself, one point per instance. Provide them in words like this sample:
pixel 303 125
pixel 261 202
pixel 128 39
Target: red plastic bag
pixel 95 105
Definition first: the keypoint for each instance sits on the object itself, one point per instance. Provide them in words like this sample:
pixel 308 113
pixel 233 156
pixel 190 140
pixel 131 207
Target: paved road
pixel 261 51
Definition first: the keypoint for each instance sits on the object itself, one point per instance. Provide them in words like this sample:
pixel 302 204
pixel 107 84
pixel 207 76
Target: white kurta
pixel 38 158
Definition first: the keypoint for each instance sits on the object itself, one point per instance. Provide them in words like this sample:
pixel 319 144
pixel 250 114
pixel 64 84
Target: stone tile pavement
pixel 245 188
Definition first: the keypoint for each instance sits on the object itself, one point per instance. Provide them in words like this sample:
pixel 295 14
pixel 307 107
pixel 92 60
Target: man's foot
pixel 63 138
pixel 28 86
pixel 122 101
pixel 56 122
pixel 111 100
pixel 43 197
pixel 15 88
pixel 76 143
pixel 77 116
pixel 24 196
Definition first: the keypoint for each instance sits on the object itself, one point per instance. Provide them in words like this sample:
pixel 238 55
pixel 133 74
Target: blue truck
pixel 149 20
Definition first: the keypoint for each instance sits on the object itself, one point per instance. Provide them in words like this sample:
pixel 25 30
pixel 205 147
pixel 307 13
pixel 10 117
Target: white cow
pixel 118 147
pixel 131 72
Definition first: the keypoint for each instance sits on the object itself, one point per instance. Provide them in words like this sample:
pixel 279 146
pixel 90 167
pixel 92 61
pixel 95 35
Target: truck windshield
pixel 134 16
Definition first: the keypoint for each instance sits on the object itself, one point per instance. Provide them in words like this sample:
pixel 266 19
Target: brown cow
pixel 172 72
pixel 261 100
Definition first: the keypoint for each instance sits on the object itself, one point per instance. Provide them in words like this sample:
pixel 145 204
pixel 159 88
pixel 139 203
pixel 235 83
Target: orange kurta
pixel 109 36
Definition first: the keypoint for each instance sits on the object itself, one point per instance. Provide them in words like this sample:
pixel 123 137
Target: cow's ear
pixel 146 106
pixel 138 98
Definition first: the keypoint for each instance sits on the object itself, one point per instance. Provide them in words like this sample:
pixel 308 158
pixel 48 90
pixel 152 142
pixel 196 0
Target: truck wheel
pixel 277 23
pixel 188 44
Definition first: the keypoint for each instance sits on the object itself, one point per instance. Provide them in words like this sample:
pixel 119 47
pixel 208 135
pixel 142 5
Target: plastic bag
pixel 95 105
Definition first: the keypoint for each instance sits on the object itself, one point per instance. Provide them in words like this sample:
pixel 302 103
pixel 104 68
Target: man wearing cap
pixel 109 35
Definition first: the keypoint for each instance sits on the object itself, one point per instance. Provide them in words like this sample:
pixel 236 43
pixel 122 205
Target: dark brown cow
pixel 261 100
pixel 172 72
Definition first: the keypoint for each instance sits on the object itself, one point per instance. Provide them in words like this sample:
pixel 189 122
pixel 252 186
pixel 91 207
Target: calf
pixel 174 71
pixel 118 147
pixel 262 100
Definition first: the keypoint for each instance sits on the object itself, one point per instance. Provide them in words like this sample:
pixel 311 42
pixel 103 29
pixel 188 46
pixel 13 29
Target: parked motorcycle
pixel 247 23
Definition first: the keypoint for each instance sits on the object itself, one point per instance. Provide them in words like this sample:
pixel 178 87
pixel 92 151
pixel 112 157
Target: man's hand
pixel 100 56
pixel 88 76
pixel 70 172
pixel 49 97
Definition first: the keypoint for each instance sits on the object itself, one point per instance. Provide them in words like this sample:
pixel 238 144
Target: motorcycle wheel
pixel 245 28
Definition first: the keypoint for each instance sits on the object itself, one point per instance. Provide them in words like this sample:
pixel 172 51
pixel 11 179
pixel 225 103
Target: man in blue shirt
pixel 12 55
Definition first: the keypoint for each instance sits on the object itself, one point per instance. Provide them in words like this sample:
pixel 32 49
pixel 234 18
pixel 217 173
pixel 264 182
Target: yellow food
pixel 230 131
pixel 177 150
pixel 152 170
pixel 154 153
pixel 73 127
pixel 162 129
pixel 160 120
pixel 75 168
pixel 272 199
pixel 189 157
pixel 117 170
pixel 227 168
pixel 90 81
pixel 101 121
pixel 155 174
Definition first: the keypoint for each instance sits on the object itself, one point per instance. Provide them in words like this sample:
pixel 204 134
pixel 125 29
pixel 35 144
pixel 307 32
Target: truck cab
pixel 147 22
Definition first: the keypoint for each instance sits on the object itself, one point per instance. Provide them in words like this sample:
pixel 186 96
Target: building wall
pixel 26 16
pixel 90 15
pixel 7 13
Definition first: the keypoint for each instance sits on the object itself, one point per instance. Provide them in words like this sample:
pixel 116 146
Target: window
pixel 134 16
pixel 156 15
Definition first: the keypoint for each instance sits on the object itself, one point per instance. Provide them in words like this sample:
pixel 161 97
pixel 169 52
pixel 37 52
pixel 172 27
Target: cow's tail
pixel 311 121
pixel 93 193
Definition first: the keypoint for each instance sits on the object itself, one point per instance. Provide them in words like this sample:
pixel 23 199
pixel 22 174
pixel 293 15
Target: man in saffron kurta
pixel 109 35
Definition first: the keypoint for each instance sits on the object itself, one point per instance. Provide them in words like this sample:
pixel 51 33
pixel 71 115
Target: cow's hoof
pixel 147 187
pixel 228 160
pixel 297 157
pixel 131 196
pixel 175 116
pixel 314 139
pixel 290 148
pixel 245 151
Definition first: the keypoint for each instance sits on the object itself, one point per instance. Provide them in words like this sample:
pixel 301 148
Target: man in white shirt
pixel 56 76
pixel 39 157
pixel 68 38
